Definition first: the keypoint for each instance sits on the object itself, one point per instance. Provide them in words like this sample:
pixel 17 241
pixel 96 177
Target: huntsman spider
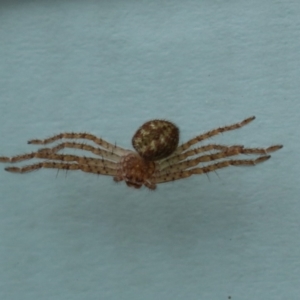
pixel 158 157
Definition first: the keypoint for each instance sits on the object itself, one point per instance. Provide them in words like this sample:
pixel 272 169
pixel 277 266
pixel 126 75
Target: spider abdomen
pixel 156 139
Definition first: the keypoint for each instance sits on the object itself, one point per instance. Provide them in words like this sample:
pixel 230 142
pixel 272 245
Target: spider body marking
pixel 157 159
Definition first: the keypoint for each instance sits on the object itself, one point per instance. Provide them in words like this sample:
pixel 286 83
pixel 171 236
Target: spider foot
pixel 5 159
pixel 25 169
pixel 261 159
pixel 245 122
pixel 274 148
pixel 35 142
pixel 247 162
pixel 13 169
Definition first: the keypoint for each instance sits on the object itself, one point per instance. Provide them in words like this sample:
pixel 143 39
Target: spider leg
pixel 13 159
pixel 64 166
pixel 98 151
pixel 228 151
pixel 79 159
pixel 179 157
pixel 210 168
pixel 87 136
pixel 47 152
pixel 212 133
pixel 261 150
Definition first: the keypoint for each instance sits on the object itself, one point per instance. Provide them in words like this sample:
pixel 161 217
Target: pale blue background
pixel 106 67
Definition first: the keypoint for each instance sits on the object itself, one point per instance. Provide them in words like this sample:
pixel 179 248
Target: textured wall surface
pixel 106 67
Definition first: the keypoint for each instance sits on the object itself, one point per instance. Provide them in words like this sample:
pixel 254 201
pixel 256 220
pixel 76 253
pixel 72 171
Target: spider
pixel 157 159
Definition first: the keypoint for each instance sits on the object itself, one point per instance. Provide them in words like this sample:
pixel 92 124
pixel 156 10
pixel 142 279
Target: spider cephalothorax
pixel 157 159
pixel 136 171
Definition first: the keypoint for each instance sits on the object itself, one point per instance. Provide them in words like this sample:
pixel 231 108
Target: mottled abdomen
pixel 156 139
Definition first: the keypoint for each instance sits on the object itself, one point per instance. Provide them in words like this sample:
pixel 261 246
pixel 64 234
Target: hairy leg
pixel 179 157
pixel 64 166
pixel 178 160
pixel 210 168
pixel 87 136
pixel 212 133
pixel 39 154
pixel 98 151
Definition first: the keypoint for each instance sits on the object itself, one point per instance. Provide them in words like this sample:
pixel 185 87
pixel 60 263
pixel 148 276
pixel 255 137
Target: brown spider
pixel 158 158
